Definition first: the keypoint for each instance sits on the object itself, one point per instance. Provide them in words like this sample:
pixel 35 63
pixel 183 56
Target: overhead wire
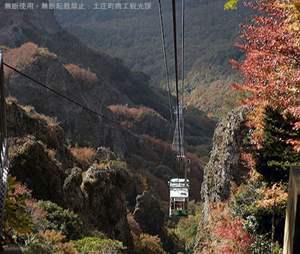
pixel 91 111
pixel 163 41
pixel 116 123
pixel 182 50
pixel 176 68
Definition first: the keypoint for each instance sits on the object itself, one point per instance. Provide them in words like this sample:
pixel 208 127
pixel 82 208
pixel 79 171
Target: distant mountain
pixel 100 82
pixel 37 45
pixel 134 36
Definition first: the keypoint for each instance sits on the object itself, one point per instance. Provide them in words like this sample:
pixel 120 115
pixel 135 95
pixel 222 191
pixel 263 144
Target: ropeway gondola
pixel 179 197
pixel 179 187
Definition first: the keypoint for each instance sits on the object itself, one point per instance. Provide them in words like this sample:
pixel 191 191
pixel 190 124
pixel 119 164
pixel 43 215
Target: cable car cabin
pixel 179 197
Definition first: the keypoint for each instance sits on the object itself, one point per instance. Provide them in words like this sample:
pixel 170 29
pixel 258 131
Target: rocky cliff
pixel 224 163
pixel 97 195
pixel 224 167
pixel 41 147
pixel 41 159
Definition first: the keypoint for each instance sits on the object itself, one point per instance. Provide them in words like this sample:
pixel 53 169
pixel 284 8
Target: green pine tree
pixel 276 156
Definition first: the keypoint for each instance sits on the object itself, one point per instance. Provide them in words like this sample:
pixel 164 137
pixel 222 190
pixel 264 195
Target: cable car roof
pixel 179 180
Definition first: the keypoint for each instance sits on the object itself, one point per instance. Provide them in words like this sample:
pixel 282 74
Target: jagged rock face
pixel 104 154
pixel 42 161
pixel 81 126
pixel 148 214
pixel 97 196
pixel 223 168
pixel 31 164
pixel 24 120
pixel 224 164
pixel 38 152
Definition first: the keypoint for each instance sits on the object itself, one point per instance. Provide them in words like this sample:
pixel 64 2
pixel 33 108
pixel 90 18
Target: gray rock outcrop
pixel 97 196
pixel 148 214
pixel 224 166
pixel 224 163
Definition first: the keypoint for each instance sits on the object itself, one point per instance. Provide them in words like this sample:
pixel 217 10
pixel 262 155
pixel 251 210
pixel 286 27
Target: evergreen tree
pixel 276 157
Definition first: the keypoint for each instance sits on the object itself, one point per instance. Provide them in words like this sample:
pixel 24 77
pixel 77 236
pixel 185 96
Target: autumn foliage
pixel 80 73
pixel 131 112
pixel 21 57
pixel 228 235
pixel 85 155
pixel 271 43
pixel 235 238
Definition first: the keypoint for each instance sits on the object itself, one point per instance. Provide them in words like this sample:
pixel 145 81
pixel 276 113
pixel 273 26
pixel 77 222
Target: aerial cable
pixel 183 51
pixel 102 116
pixel 182 76
pixel 163 41
pixel 89 110
pixel 176 70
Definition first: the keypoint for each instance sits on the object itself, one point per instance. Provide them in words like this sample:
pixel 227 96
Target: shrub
pixel 48 242
pixel 62 220
pixel 21 56
pixel 244 199
pixel 233 237
pixel 80 73
pixel 263 244
pixel 84 155
pixel 17 218
pixel 46 53
pixel 148 244
pixel 95 245
pixel 135 113
pixel 58 242
pixel 258 203
pixel 186 230
pixel 36 245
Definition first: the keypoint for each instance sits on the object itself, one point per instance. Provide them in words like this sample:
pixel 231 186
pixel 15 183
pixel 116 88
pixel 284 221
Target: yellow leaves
pixel 272 197
pixel 254 176
pixel 85 155
pixel 231 5
pixel 296 3
pixel 256 118
pixel 295 27
pixel 58 241
pixel 53 236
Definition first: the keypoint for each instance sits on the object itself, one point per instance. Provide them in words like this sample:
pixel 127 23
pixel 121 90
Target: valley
pixel 103 158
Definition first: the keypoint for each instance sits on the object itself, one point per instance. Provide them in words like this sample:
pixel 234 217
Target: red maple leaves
pixel 231 236
pixel 271 43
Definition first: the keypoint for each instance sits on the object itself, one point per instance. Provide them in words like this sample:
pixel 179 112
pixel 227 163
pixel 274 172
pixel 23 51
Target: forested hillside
pixel 134 36
pixel 256 147
pixel 98 162
pixel 87 134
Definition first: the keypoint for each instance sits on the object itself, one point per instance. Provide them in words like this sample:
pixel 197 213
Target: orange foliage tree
pixel 271 43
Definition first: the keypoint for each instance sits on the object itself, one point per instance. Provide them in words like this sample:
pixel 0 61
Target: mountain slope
pixel 135 37
pixel 61 61
pixel 143 153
